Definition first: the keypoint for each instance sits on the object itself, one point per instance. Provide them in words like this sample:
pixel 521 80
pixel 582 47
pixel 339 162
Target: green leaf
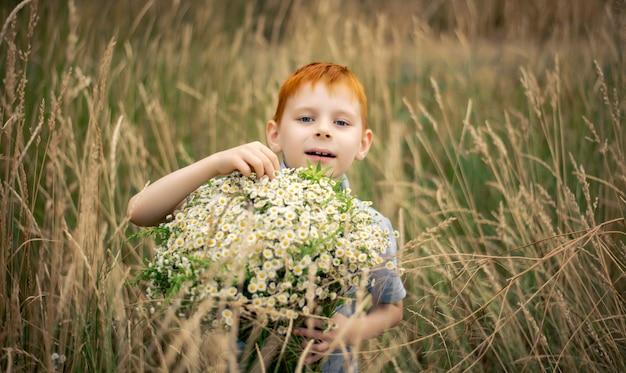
pixel 159 234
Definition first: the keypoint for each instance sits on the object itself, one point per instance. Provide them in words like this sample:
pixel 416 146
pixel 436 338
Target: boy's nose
pixel 323 129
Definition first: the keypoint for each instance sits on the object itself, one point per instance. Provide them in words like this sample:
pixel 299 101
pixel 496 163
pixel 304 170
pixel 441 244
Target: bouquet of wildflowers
pixel 273 250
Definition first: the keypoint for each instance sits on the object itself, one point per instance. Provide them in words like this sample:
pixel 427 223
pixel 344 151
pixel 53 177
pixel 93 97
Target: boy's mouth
pixel 320 154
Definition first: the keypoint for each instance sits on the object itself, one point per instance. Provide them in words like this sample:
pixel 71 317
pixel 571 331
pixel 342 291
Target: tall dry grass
pixel 499 155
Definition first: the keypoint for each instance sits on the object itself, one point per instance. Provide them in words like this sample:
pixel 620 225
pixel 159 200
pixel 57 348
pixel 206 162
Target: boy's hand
pixel 251 157
pixel 347 331
pixel 325 341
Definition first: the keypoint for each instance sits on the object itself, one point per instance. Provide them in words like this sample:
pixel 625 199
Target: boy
pixel 321 117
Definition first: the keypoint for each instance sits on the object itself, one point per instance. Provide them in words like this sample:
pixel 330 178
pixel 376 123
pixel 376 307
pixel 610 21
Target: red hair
pixel 328 73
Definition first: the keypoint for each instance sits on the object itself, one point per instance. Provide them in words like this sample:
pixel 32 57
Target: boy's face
pixel 320 127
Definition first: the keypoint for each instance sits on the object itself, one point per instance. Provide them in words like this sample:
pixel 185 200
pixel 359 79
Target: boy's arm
pixel 350 331
pixel 376 321
pixel 151 206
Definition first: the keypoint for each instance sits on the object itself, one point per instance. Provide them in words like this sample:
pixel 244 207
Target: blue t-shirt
pixel 387 288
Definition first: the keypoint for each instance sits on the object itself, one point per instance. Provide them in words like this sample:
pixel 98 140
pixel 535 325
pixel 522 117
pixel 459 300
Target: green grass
pixel 498 154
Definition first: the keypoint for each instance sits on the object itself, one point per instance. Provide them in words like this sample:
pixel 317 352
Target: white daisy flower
pixel 267 247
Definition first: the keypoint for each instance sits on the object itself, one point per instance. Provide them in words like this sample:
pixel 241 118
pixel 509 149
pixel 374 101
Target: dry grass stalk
pixel 524 269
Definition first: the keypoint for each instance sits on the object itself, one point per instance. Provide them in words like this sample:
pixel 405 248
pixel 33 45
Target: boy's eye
pixel 305 119
pixel 341 123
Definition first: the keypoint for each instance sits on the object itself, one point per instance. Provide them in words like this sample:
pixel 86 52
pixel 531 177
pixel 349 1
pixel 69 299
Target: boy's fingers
pixel 272 157
pixel 243 166
pixel 257 164
pixel 309 333
pixel 314 351
pixel 270 165
pixel 264 162
pixel 320 347
pixel 313 357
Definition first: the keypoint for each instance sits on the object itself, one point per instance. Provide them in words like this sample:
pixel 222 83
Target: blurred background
pixel 498 155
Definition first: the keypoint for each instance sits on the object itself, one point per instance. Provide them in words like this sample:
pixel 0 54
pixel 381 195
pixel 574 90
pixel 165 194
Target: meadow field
pixel 499 155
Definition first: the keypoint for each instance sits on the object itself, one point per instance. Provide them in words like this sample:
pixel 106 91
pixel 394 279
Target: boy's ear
pixel 366 143
pixel 271 132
